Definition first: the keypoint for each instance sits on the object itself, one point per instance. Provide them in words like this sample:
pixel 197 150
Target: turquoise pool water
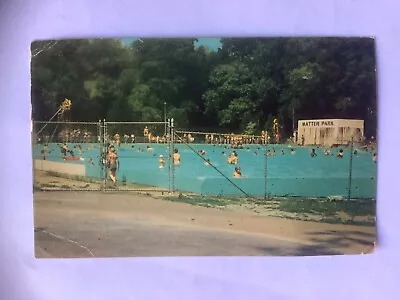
pixel 287 175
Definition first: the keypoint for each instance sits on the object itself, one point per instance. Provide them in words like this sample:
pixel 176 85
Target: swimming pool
pixel 287 175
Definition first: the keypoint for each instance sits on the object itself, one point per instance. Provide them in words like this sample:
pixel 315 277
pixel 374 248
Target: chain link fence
pixel 241 172
pixel 153 156
pixel 67 156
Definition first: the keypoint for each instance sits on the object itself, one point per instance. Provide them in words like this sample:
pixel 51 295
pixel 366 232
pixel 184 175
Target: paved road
pixel 84 225
pixel 105 238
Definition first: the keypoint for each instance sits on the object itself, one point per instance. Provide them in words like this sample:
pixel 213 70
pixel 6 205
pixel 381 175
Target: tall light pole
pixel 165 118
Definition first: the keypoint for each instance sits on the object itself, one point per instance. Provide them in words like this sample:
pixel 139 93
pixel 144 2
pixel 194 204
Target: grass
pixel 205 201
pixel 328 208
pixel 323 210
pixel 72 177
pixel 86 182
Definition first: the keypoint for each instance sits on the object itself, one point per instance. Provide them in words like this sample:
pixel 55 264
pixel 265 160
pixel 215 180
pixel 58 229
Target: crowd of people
pixel 229 141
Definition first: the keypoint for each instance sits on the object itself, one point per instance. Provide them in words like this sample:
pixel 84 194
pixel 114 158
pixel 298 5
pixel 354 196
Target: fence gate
pixel 67 156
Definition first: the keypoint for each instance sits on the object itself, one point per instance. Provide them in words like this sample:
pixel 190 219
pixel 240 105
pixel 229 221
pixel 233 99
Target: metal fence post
pixel 168 136
pixel 350 168
pixel 265 170
pixel 104 154
pixel 172 150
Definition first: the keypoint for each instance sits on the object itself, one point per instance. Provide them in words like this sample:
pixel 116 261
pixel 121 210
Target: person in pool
pixel 313 153
pixel 237 173
pixel 207 162
pixel 292 151
pixel 233 158
pixel 202 152
pixel 375 157
pixel 176 157
pixel 64 150
pixel 327 152
pixel 112 163
pixel 161 161
pixel 340 154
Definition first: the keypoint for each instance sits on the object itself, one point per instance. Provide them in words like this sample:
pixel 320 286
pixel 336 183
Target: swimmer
pixel 176 157
pixel 273 151
pixel 207 163
pixel 202 152
pixel 149 149
pixel 340 154
pixel 161 162
pixel 313 153
pixel 327 152
pixel 237 173
pixel 292 151
pixel 283 152
pixel 375 157
pixel 233 158
pixel 64 150
pixel 355 152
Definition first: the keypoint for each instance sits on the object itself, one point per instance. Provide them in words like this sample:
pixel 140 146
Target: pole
pixel 172 150
pixel 350 169
pixel 265 170
pixel 45 125
pixel 165 119
pixel 293 125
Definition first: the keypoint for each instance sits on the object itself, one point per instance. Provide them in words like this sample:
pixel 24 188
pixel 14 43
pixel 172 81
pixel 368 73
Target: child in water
pixel 161 161
pixel 237 173
pixel 340 154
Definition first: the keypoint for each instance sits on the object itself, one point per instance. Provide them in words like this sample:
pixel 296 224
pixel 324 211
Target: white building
pixel 328 132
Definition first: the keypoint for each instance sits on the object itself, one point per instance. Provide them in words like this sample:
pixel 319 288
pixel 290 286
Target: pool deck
pixel 82 224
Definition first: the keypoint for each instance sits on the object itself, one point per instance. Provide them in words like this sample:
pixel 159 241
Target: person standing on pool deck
pixel 176 157
pixel 113 163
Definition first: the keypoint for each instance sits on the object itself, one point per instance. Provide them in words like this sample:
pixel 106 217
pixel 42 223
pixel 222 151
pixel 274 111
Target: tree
pixel 240 88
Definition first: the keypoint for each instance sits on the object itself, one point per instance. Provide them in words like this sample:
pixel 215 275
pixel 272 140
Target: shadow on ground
pixel 325 243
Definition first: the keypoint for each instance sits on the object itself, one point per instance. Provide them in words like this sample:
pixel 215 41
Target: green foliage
pixel 239 88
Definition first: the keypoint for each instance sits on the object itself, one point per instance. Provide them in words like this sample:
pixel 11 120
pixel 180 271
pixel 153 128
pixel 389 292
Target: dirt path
pixel 116 224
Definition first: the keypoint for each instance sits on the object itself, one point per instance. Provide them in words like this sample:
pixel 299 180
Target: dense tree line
pixel 241 87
